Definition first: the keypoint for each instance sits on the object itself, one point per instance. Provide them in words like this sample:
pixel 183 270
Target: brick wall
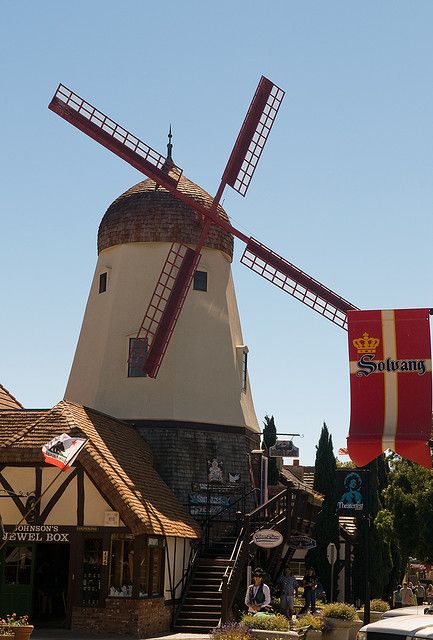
pixel 139 618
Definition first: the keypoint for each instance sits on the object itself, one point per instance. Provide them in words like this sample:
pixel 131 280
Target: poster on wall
pixel 351 492
pixel 390 384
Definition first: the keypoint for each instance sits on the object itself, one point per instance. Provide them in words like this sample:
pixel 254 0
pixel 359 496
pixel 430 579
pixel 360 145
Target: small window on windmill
pixel 200 281
pixel 103 282
pixel 137 357
pixel 244 370
pixel 242 362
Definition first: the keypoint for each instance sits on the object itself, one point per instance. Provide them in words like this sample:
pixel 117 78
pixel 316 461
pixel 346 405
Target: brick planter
pixel 140 618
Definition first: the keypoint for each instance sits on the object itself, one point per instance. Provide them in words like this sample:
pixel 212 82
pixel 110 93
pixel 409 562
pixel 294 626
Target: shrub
pixel 273 622
pixel 232 631
pixel 309 619
pixel 379 605
pixel 339 610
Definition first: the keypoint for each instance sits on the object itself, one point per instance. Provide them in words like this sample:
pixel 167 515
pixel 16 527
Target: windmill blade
pixel 253 135
pixel 166 304
pixel 104 130
pixel 297 283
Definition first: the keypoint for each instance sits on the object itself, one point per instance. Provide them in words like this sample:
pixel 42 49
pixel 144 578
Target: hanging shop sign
pixel 284 449
pixel 301 542
pixel 267 538
pixel 351 492
pixel 390 384
pixel 37 533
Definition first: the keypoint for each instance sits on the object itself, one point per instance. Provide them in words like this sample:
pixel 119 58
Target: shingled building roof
pixel 116 458
pixel 7 401
pixel 145 213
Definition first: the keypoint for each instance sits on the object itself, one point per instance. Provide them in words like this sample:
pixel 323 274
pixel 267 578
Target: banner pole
pixel 366 518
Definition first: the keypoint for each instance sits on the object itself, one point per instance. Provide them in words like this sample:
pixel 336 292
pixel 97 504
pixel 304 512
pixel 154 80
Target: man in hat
pixel 258 595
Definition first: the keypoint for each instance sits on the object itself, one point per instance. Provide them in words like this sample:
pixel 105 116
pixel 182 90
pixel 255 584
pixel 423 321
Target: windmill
pixel 172 286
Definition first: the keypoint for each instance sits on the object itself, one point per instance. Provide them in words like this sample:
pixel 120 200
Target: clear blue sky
pixel 344 188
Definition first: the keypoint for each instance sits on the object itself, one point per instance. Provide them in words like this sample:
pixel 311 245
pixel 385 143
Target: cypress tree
pixel 327 520
pixel 380 552
pixel 269 439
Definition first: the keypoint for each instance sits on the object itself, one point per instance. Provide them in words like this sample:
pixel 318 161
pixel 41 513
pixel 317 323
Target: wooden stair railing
pixel 290 511
pixel 275 513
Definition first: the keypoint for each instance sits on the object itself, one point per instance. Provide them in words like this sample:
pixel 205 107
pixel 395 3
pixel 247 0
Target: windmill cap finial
pixel 169 145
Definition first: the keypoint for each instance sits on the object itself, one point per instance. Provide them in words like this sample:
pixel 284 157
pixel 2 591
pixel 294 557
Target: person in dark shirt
pixel 310 586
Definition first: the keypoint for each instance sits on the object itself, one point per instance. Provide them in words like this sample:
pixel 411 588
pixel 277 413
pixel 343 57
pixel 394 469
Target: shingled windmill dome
pixel 146 214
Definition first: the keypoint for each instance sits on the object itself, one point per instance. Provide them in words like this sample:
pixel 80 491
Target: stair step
pixel 186 616
pixel 211 580
pixel 202 606
pixel 211 599
pixel 211 621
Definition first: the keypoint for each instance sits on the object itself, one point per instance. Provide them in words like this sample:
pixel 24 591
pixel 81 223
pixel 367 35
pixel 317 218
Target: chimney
pixel 296 462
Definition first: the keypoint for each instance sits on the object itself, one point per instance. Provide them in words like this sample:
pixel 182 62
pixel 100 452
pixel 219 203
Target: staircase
pixel 201 610
pixel 218 569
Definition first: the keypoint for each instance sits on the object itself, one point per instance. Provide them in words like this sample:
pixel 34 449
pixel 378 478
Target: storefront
pixel 96 551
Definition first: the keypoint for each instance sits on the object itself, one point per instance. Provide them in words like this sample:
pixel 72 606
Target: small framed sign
pixel 111 519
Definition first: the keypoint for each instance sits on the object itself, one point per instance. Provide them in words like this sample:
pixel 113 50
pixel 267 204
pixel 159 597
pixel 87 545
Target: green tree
pixel 409 498
pixel 269 439
pixel 327 521
pixel 380 563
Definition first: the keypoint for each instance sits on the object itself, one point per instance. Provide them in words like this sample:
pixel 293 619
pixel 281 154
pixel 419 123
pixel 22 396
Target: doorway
pixel 50 585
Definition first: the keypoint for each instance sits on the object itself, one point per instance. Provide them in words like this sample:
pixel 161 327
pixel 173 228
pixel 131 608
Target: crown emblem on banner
pixel 366 344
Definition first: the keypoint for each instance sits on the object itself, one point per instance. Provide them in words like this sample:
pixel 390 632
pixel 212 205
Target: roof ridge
pixel 11 396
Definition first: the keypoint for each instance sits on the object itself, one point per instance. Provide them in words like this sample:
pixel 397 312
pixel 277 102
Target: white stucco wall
pixel 200 379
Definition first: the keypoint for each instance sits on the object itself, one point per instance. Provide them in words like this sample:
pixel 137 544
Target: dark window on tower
pixel 103 282
pixel 200 281
pixel 137 357
pixel 244 370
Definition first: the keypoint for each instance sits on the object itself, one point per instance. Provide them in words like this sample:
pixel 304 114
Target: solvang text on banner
pixel 390 384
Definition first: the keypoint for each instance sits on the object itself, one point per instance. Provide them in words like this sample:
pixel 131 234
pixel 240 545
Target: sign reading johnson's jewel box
pixel 351 492
pixel 37 533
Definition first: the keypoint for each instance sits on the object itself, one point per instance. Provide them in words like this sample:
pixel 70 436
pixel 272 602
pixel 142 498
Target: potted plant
pixel 20 626
pixel 232 631
pixel 317 625
pixel 268 626
pixel 343 617
pixel 377 609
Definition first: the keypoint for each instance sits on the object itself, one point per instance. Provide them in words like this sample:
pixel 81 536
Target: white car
pixel 416 610
pixel 398 628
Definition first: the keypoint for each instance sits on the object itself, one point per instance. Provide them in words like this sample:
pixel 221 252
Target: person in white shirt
pixel 406 595
pixel 258 595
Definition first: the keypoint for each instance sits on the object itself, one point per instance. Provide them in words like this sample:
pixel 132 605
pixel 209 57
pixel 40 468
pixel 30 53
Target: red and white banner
pixel 390 384
pixel 63 450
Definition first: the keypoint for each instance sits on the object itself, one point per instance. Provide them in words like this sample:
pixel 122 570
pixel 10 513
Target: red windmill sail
pixel 175 279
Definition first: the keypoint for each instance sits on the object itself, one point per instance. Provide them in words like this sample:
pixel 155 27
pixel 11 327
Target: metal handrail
pixel 185 580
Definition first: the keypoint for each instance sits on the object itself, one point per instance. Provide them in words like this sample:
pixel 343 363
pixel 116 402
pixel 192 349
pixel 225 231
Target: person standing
pixel 258 594
pixel 420 593
pixel 310 586
pixel 406 595
pixel 429 593
pixel 288 586
pixel 396 597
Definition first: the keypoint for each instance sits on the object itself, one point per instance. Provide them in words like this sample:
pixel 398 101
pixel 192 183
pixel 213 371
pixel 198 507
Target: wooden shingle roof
pixel 145 213
pixel 116 458
pixel 7 401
